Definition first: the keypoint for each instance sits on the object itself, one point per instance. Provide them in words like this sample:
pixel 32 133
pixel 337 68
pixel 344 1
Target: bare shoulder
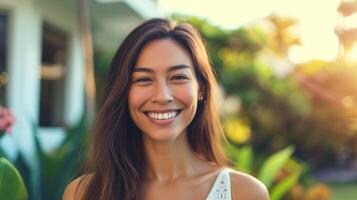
pixel 76 188
pixel 246 187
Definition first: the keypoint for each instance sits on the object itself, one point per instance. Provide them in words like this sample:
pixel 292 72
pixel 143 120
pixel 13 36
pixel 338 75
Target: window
pixel 3 56
pixel 53 73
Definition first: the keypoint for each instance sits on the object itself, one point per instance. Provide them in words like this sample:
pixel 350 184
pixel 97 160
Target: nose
pixel 162 93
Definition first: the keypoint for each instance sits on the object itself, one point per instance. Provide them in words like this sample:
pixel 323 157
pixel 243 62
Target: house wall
pixel 63 15
pixel 24 60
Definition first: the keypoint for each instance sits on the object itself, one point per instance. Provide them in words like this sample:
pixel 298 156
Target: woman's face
pixel 164 90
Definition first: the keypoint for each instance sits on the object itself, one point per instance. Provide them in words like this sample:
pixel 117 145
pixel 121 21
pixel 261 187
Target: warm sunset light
pixel 352 54
pixel 317 30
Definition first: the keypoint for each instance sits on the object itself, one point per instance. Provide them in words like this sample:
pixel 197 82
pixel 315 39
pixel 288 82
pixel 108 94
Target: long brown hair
pixel 117 158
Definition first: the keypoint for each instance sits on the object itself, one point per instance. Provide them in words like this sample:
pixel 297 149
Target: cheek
pixel 136 98
pixel 187 94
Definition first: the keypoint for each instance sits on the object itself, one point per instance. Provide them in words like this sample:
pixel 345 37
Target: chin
pixel 161 136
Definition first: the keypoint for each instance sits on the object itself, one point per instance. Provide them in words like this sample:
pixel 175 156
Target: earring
pixel 201 100
pixel 200 95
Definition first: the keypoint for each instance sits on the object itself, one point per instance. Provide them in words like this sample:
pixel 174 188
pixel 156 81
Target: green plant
pixel 279 172
pixel 293 109
pixel 48 173
pixel 12 186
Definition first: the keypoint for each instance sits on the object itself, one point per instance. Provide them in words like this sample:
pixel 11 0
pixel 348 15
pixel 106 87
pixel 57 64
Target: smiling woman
pixel 157 134
pixel 163 96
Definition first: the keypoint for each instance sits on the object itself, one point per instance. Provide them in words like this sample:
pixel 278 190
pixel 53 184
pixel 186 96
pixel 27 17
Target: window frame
pixel 59 72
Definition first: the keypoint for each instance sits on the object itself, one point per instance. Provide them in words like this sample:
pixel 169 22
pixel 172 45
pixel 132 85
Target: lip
pixel 163 121
pixel 162 111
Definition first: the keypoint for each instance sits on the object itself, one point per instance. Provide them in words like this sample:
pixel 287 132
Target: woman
pixel 157 134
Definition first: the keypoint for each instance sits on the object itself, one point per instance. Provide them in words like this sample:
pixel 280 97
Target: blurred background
pixel 287 71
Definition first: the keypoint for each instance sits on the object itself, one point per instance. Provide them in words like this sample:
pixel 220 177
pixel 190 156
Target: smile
pixel 163 115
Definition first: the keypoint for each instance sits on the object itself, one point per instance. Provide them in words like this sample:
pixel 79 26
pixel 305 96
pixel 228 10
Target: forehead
pixel 163 53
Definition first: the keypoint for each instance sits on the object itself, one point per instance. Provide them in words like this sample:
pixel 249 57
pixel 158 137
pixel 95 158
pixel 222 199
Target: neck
pixel 167 161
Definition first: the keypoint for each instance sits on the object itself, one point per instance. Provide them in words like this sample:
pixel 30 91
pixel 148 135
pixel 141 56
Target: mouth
pixel 163 115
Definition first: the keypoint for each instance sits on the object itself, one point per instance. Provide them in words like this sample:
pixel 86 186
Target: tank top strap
pixel 221 189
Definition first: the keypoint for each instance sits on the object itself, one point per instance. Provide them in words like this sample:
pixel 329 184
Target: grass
pixel 343 191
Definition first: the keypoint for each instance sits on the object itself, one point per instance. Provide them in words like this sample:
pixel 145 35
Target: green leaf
pixel 273 164
pixel 245 159
pixel 284 186
pixel 64 163
pixel 12 186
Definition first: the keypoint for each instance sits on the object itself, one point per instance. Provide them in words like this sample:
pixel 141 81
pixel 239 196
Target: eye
pixel 143 80
pixel 180 77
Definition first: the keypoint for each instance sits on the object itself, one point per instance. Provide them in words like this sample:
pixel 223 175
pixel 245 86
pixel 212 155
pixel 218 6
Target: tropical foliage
pixel 305 103
pixel 11 184
pixel 48 173
pixel 274 103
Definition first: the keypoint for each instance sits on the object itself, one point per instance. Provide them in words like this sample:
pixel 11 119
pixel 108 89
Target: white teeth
pixel 162 116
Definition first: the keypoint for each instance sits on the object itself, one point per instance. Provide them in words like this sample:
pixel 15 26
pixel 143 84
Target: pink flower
pixel 6 120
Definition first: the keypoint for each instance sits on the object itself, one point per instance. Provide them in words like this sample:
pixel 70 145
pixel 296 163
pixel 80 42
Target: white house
pixel 41 62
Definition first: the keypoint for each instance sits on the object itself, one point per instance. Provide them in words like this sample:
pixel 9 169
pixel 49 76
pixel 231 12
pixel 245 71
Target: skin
pixel 174 171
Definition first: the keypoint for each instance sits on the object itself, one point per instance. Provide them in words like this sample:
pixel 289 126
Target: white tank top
pixel 221 189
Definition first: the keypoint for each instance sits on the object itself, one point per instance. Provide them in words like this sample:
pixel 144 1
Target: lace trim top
pixel 221 189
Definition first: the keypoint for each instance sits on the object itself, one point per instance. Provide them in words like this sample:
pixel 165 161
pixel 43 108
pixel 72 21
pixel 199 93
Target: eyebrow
pixel 172 68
